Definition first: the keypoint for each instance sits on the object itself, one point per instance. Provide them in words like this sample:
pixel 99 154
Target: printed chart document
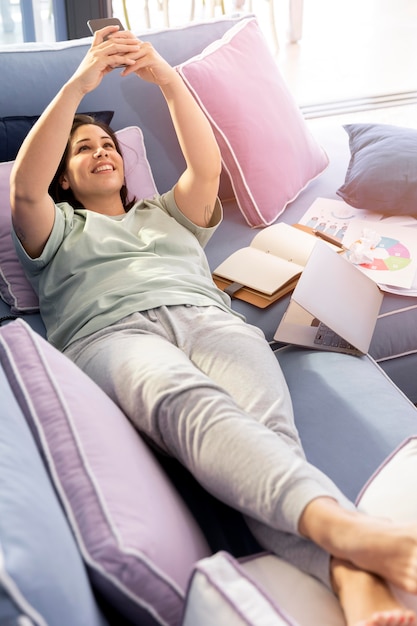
pixel 269 267
pixel 334 216
pixel 388 243
pixel 389 253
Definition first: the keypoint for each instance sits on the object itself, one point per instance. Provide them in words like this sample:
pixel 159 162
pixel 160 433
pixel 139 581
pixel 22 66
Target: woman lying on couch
pixel 126 292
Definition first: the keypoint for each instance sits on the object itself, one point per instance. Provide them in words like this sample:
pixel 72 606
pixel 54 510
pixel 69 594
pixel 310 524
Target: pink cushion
pixel 137 538
pixel 15 289
pixel 267 149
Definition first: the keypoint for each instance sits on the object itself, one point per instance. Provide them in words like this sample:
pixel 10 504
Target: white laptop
pixel 334 306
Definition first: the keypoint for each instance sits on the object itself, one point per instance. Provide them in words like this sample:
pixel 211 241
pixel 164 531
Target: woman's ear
pixel 63 181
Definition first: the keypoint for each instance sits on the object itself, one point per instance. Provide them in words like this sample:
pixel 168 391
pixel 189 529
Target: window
pixel 31 20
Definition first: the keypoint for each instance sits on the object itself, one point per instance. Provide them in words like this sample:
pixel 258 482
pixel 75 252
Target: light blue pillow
pixel 42 577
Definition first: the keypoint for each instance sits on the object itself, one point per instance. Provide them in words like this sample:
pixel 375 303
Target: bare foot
pixel 385 548
pixel 366 600
pixel 390 618
pixel 389 550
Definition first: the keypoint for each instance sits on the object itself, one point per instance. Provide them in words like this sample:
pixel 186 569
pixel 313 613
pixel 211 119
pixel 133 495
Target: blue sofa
pixel 94 528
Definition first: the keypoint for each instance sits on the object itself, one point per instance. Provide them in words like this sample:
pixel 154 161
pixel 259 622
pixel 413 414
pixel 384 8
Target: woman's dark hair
pixel 56 191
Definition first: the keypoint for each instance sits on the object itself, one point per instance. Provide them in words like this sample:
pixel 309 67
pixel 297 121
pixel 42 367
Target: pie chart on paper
pixel 389 255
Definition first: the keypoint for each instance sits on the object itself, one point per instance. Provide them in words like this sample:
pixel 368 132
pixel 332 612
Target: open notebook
pixel 331 295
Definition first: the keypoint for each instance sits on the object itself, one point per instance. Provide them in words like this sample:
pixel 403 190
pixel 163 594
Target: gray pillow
pixel 382 173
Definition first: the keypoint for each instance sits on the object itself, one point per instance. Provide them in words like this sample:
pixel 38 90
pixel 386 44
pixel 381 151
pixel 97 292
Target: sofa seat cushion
pixel 41 570
pixel 135 534
pixel 349 414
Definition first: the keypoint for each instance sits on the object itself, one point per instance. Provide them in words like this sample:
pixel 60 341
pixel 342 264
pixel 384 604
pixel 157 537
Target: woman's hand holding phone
pixel 99 24
pixel 144 60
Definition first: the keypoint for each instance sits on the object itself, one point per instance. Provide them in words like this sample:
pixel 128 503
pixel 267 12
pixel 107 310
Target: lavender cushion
pixel 221 592
pixel 303 597
pixel 134 532
pixel 15 289
pixel 267 149
pixel 138 174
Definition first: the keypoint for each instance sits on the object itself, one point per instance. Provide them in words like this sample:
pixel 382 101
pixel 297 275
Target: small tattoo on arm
pixel 20 235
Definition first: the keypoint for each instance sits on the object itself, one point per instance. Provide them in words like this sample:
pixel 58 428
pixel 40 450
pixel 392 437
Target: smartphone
pixel 101 22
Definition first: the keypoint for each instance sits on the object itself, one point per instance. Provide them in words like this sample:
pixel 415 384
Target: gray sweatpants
pixel 206 388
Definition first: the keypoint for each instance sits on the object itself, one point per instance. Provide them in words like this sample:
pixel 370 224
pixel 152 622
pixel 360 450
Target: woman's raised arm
pixel 38 158
pixel 197 188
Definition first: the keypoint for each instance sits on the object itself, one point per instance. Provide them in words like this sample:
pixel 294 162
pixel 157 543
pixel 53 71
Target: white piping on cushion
pixel 403 310
pixel 92 561
pixel 32 617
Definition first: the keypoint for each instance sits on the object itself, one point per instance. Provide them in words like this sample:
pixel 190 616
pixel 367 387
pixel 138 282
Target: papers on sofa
pixel 337 218
pixel 386 253
pixel 334 216
pixel 269 267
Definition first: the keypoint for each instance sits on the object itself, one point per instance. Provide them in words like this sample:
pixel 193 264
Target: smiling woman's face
pixel 94 167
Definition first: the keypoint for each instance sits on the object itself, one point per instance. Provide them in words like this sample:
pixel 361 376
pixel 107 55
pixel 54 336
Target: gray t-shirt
pixel 96 269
